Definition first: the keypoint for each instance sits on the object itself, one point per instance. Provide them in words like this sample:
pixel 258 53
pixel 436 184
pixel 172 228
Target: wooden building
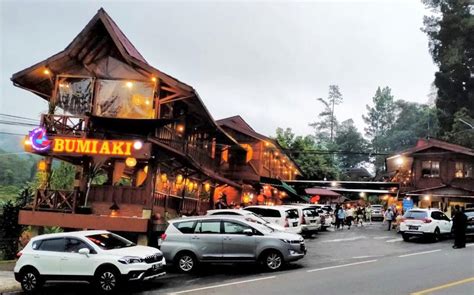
pixel 149 136
pixel 434 173
pixel 267 166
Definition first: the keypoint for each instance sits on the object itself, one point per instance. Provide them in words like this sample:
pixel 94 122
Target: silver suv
pixel 227 239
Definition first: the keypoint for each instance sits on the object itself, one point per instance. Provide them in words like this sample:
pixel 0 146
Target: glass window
pixel 416 214
pixel 464 170
pixel 310 212
pixel 75 94
pixel 186 227
pixel 430 168
pixel 293 213
pixel 208 227
pixel 56 245
pixel 73 245
pixel 124 99
pixel 225 213
pixel 436 215
pixel 234 228
pixel 107 241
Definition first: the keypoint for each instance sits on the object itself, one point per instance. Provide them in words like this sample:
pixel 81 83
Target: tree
pixel 326 125
pixel 304 150
pixel 348 138
pixel 379 120
pixel 62 176
pixel 451 32
pixel 461 133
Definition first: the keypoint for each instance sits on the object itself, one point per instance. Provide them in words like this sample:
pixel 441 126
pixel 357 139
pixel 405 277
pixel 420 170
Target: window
pixel 74 245
pixel 186 227
pixel 291 214
pixel 310 213
pixel 464 170
pixel 208 227
pixel 124 99
pixel 56 245
pixel 437 215
pixel 75 94
pixel 430 168
pixel 110 241
pixel 234 228
pixel 416 214
pixel 225 213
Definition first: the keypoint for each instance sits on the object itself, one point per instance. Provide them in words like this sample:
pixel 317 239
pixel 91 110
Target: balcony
pixel 55 200
pixel 64 125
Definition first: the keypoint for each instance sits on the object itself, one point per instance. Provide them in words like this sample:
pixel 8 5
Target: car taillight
pixel 163 237
pixel 426 220
pixel 302 220
pixel 286 222
pixel 18 255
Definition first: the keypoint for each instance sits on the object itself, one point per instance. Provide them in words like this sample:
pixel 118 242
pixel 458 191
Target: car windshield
pixel 265 229
pixel 292 213
pixel 256 218
pixel 416 215
pixel 108 241
pixel 310 212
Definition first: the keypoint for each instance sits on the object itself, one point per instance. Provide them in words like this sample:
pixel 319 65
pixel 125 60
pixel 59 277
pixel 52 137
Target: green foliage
pixel 302 149
pixel 461 133
pixel 62 176
pixel 8 193
pixel 15 170
pixel 450 29
pixel 348 138
pixel 324 127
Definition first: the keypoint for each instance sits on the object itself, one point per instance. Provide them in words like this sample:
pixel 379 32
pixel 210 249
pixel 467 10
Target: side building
pixel 434 173
pixel 144 146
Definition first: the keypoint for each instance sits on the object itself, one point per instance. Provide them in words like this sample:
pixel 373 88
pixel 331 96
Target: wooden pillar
pixel 142 239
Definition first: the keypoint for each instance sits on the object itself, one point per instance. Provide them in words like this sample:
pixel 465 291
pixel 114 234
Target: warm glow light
pixel 427 198
pixel 164 177
pixel 137 145
pixel 180 128
pixel 207 186
pixel 275 191
pixel 147 102
pixel 129 84
pixel 42 165
pixel 27 141
pixel 362 194
pixel 276 154
pixel 267 144
pixel 130 162
pixel 408 198
pixel 46 72
pixel 153 79
pixel 399 160
pixel 333 183
pixel 179 179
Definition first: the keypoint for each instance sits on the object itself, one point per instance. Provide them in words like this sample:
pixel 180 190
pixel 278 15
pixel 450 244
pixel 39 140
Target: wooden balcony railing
pixel 180 205
pixel 120 194
pixel 55 200
pixel 65 125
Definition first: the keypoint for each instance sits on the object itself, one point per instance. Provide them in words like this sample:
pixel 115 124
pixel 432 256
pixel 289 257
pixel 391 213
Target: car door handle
pixel 227 238
pixel 195 238
pixel 36 256
pixel 64 258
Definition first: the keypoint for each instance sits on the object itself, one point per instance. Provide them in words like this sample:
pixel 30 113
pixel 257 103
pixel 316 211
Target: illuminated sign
pixel 39 140
pixel 92 146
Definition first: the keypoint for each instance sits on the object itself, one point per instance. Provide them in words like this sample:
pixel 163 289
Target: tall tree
pixel 462 132
pixel 379 120
pixel 450 29
pixel 326 125
pixel 305 151
pixel 349 139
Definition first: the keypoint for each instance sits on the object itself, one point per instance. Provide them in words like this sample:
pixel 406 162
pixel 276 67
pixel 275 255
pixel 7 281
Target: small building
pixel 434 173
pixel 267 167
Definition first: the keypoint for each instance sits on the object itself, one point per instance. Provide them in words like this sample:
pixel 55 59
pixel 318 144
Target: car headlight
pixel 130 260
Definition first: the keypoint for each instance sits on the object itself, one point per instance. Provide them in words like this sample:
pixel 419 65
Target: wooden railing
pixel 55 200
pixel 65 125
pixel 119 194
pixel 181 205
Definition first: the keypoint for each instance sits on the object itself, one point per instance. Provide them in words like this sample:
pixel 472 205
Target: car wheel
pixel 406 237
pixel 186 262
pixel 272 260
pixel 436 235
pixel 107 280
pixel 30 280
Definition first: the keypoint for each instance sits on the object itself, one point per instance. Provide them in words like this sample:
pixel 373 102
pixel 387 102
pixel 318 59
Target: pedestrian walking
pixel 360 216
pixel 459 228
pixel 368 214
pixel 389 217
pixel 349 217
pixel 340 216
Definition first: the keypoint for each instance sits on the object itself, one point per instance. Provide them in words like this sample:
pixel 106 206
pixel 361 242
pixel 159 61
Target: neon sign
pixel 92 146
pixel 39 140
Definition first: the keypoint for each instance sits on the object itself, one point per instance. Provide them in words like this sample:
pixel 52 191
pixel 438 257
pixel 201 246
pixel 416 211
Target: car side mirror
pixel 84 251
pixel 248 232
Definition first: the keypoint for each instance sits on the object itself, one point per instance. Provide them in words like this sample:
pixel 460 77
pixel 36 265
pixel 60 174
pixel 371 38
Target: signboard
pixel 407 204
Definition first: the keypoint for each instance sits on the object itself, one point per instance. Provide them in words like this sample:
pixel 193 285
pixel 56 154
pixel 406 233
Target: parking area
pixel 342 250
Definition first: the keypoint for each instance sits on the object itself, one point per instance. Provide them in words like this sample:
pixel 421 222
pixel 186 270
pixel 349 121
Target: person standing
pixel 389 217
pixel 349 217
pixel 368 214
pixel 340 216
pixel 459 228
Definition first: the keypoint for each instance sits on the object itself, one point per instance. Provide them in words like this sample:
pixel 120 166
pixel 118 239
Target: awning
pixel 279 184
pixel 321 192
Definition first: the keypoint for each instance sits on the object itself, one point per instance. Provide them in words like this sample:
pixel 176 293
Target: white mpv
pixel 430 223
pixel 99 257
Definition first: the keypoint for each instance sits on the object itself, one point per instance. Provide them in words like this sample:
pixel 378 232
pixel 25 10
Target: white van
pixel 309 219
pixel 287 217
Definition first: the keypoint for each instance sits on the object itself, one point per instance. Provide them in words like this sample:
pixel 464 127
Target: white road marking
pixel 382 238
pixel 223 285
pixel 360 257
pixel 395 240
pixel 344 240
pixel 420 253
pixel 342 265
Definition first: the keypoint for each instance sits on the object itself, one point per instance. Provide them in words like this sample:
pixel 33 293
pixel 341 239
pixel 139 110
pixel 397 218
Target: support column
pixel 142 239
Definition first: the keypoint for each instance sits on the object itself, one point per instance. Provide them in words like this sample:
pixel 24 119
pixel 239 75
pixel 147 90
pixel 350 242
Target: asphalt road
pixel 367 260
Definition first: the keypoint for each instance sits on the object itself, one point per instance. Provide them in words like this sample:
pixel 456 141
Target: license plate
pixel 413 227
pixel 312 221
pixel 295 224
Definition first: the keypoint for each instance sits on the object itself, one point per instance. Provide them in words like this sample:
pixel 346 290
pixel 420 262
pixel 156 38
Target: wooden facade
pixel 434 173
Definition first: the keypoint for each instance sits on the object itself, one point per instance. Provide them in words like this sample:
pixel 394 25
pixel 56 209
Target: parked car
pixel 470 222
pixel 326 214
pixel 250 215
pixel 99 257
pixel 430 223
pixel 287 217
pixel 377 212
pixel 309 219
pixel 228 239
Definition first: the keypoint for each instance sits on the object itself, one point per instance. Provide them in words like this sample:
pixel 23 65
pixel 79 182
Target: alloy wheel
pixel 273 261
pixel 186 263
pixel 107 281
pixel 29 281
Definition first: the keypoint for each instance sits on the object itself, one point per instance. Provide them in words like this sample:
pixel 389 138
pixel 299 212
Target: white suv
pixel 99 257
pixel 289 218
pixel 425 222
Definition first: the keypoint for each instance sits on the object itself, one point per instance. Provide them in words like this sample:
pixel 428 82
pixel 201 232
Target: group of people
pixel 346 216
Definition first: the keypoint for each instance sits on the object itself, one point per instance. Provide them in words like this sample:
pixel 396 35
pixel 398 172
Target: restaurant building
pixel 434 173
pixel 144 146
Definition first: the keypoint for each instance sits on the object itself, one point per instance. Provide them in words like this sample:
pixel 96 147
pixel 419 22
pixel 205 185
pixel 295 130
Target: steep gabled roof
pixel 238 124
pixel 424 144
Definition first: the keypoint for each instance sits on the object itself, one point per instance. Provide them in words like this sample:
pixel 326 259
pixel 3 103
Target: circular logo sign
pixel 39 139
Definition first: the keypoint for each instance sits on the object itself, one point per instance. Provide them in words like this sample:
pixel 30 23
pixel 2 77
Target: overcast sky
pixel 266 61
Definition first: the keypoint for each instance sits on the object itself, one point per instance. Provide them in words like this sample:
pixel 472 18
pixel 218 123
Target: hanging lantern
pixel 164 177
pixel 207 187
pixel 179 179
pixel 315 199
pixel 130 162
pixel 42 165
pixel 260 198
